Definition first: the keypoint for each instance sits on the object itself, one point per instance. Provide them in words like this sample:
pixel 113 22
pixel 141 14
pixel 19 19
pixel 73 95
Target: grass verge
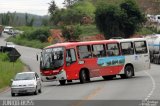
pixel 29 43
pixel 8 71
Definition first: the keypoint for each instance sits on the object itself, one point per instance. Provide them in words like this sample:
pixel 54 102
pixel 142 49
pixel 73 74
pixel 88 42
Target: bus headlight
pixel 61 71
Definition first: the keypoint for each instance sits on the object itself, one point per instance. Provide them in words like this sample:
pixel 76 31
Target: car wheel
pixel 36 91
pixel 13 94
pixel 40 90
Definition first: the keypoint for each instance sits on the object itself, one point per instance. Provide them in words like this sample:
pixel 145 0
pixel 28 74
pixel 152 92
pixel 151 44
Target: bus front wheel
pixel 62 82
pixel 128 72
pixel 83 76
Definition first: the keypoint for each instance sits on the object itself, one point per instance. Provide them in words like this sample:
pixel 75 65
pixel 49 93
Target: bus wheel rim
pixel 129 72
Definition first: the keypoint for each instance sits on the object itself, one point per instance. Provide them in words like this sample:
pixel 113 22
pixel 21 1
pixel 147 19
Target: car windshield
pixel 52 58
pixel 25 76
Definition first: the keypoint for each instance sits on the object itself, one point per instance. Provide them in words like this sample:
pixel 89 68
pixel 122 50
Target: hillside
pixel 150 6
pixel 19 19
pixel 147 6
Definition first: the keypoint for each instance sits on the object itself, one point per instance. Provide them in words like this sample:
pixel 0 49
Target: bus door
pixel 86 60
pixel 71 64
pixel 142 55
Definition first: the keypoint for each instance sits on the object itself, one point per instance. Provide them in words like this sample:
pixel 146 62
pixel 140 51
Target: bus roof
pixel 131 39
pixel 72 44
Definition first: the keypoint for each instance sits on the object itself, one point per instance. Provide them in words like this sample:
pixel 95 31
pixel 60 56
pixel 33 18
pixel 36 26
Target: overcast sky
pixel 39 7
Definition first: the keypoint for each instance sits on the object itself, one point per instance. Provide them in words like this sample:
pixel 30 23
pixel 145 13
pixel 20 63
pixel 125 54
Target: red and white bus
pixel 84 60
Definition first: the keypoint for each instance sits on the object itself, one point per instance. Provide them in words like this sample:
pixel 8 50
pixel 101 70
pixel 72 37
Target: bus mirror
pixel 37 57
pixel 12 80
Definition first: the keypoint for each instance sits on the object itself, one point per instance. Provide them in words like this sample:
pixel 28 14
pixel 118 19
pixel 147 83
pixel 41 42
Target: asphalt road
pixel 144 86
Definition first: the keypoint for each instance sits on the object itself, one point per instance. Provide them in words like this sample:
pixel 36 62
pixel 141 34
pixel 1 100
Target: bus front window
pixel 52 58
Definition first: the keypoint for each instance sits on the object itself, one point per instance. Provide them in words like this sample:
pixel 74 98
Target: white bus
pixel 136 53
pixel 84 60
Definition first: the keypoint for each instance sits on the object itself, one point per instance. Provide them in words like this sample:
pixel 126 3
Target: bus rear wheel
pixel 83 76
pixel 62 82
pixel 128 72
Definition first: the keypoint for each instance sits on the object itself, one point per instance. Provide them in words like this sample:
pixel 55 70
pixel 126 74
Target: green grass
pixel 89 30
pixel 8 70
pixel 145 31
pixel 27 28
pixel 29 43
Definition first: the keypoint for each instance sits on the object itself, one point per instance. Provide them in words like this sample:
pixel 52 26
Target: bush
pixel 40 34
pixel 71 32
pixel 122 20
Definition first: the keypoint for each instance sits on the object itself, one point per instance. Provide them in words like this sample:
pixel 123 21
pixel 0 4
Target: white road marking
pixel 153 86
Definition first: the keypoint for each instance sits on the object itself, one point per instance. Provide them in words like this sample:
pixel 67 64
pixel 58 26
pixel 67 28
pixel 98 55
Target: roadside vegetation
pixel 32 37
pixel 37 37
pixel 82 18
pixel 8 70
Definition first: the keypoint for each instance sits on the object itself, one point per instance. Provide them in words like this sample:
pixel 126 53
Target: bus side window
pixel 112 49
pixel 140 47
pixel 84 52
pixel 99 50
pixel 127 48
pixel 70 56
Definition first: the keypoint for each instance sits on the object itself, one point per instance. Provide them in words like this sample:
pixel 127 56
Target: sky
pixel 38 7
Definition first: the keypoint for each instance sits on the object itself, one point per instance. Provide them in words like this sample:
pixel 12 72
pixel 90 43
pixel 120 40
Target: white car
pixel 26 82
pixel 8 30
pixel 10 44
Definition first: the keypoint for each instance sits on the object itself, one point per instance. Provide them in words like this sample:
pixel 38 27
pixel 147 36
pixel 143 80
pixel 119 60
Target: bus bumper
pixel 60 76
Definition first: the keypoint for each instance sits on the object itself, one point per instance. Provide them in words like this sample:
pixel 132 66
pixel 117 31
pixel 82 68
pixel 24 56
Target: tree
pixel 118 20
pixel 5 18
pixel 45 21
pixel 29 22
pixel 69 3
pixel 73 14
pixel 71 33
pixel 52 7
pixel 134 18
pixel 26 18
pixel 84 7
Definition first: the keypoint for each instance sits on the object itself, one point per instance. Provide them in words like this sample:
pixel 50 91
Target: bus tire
pixel 128 72
pixel 83 76
pixel 62 82
pixel 110 77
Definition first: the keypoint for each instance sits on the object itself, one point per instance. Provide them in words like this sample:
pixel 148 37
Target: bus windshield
pixel 52 58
